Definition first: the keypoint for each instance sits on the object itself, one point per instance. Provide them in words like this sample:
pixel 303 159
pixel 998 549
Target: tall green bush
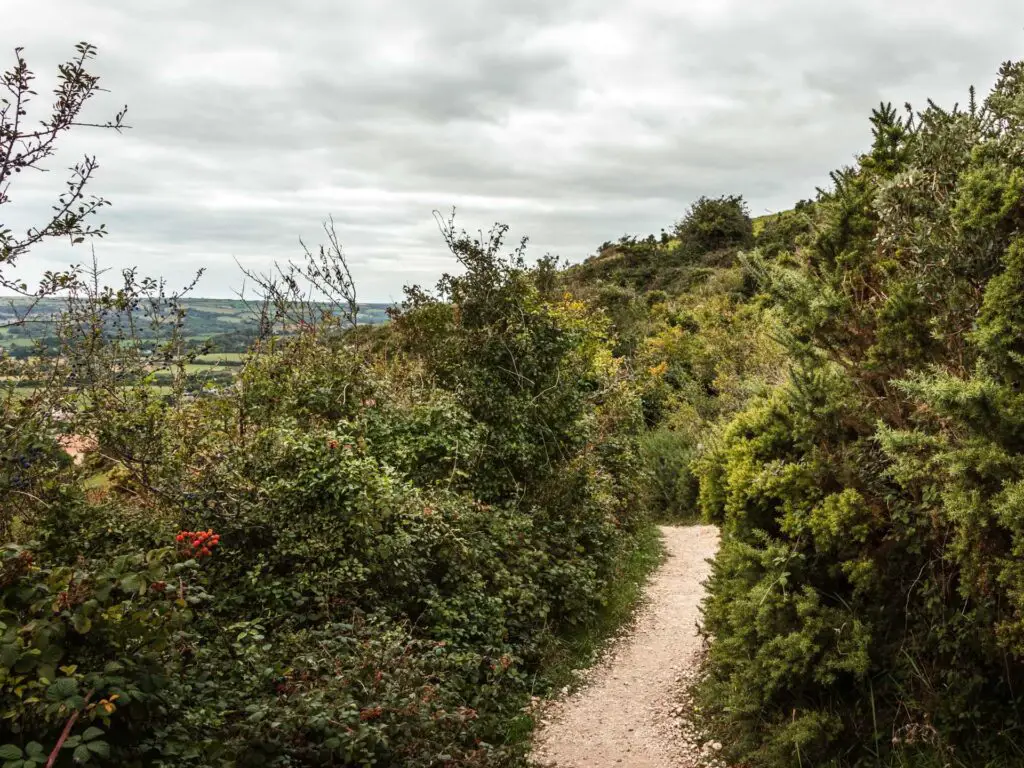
pixel 360 551
pixel 406 522
pixel 865 606
pixel 714 224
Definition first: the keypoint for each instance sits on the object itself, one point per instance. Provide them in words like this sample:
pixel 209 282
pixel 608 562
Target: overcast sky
pixel 574 122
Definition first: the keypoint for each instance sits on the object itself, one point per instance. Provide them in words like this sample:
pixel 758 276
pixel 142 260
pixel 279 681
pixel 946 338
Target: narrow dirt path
pixel 625 715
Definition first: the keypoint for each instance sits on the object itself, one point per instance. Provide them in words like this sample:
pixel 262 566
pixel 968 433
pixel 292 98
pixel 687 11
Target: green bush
pixel 672 486
pixel 866 604
pixel 407 520
pixel 92 645
pixel 716 224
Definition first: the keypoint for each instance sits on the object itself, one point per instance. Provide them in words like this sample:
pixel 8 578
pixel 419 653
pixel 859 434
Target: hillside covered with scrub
pixel 375 544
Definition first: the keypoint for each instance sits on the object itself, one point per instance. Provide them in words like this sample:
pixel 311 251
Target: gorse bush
pixel 866 605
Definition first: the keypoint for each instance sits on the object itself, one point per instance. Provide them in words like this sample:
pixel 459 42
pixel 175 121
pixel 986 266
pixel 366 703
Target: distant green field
pixel 228 326
pixel 217 306
pixel 10 340
pixel 20 392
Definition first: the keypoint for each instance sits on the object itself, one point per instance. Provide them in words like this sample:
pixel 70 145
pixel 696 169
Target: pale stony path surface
pixel 627 714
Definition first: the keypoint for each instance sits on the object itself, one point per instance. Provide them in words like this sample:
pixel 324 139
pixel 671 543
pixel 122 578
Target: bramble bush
pixel 388 546
pixel 361 552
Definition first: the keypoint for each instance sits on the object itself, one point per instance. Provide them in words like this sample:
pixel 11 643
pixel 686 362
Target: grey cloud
pixel 575 122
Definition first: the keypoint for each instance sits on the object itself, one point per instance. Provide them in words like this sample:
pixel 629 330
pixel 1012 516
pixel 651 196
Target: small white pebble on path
pixel 627 713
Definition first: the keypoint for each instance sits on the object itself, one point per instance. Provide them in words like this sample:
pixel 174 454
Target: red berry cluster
pixel 202 542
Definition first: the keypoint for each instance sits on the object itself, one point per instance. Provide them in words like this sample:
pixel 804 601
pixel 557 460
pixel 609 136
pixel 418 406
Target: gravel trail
pixel 628 714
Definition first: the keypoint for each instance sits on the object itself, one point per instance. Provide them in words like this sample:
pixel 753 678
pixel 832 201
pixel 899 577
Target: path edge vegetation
pixel 865 604
pixel 371 547
pixel 578 651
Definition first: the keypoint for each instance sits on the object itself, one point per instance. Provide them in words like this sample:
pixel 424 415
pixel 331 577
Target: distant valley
pixel 226 325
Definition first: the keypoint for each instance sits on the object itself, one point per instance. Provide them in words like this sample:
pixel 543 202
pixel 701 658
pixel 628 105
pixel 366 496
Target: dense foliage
pixel 365 550
pixel 702 342
pixel 406 523
pixel 715 225
pixel 866 606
